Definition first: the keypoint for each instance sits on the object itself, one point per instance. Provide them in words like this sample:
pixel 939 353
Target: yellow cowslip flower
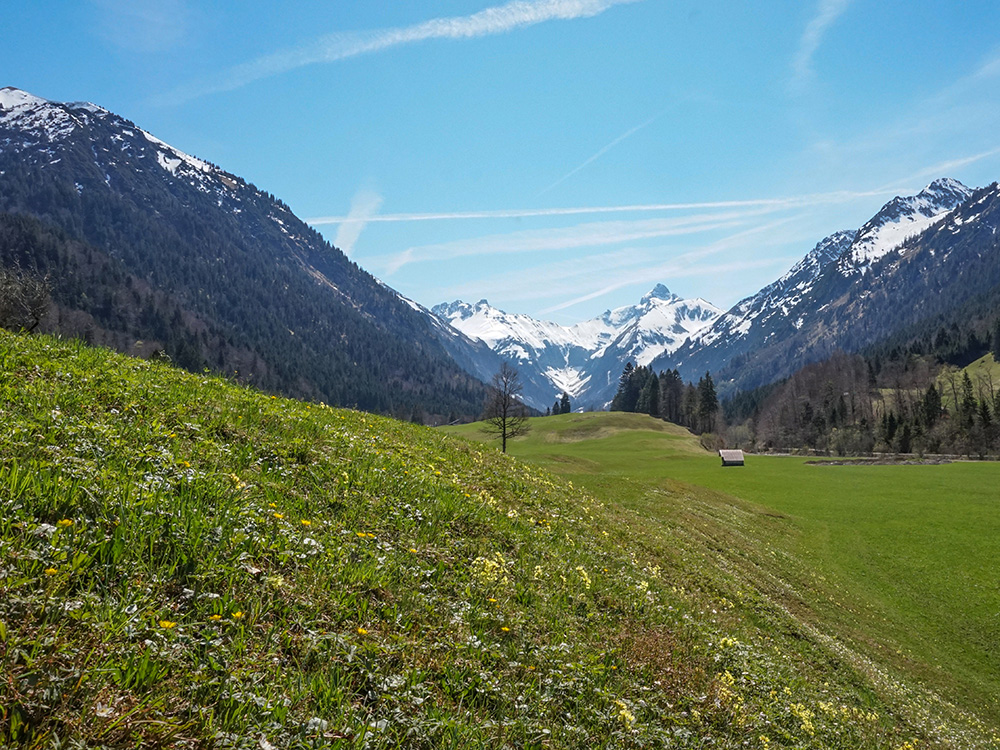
pixel 237 615
pixel 362 631
pixel 505 629
pixel 491 599
pixel 305 522
pixel 413 550
pixel 215 618
pixel 50 571
pixel 278 516
pixel 272 505
pixel 167 624
pixel 64 523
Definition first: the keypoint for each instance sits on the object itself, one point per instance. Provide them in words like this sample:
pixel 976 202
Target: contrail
pixel 499 19
pixel 839 196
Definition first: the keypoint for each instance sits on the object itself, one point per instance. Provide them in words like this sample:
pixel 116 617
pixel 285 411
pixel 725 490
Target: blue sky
pixel 557 157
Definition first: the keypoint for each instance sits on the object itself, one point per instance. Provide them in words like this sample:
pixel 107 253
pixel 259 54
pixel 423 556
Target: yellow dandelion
pixel 50 571
pixel 64 523
pixel 167 624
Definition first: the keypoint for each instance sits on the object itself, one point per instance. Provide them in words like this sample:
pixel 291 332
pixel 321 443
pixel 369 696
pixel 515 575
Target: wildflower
pixel 362 631
pixel 278 516
pixel 272 505
pixel 167 624
pixel 491 599
pixel 306 522
pixel 215 618
pixel 64 523
pixel 237 615
pixel 505 629
pixel 625 716
pixel 413 550
pixel 50 571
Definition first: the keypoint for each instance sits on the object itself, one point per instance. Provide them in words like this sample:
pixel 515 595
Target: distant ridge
pixel 585 360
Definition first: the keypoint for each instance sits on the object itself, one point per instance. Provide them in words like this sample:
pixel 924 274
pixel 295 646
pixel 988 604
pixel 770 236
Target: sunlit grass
pixel 897 561
pixel 190 563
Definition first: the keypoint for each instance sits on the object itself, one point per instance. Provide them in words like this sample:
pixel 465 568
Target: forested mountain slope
pixel 165 247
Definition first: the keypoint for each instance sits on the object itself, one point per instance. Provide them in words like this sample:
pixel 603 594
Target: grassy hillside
pixel 188 563
pixel 896 563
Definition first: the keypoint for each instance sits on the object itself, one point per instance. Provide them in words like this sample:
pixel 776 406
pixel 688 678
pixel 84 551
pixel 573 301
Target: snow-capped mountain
pixel 788 323
pixel 586 359
pixel 774 302
pixel 900 219
pixel 157 245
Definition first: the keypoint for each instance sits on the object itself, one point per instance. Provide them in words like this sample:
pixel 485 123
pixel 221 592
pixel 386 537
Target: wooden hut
pixel 732 458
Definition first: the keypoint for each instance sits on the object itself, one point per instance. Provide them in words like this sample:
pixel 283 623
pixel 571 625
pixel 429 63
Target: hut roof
pixel 731 457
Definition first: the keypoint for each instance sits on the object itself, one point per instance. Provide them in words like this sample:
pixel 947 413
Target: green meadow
pixel 898 561
pixel 189 563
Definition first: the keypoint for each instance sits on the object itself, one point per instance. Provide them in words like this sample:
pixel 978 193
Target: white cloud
pixel 591 234
pixel 364 205
pixel 686 265
pixel 827 12
pixel 499 19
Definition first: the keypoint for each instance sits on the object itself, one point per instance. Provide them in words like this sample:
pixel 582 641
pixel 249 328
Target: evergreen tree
pixel 931 406
pixel 708 404
pixel 671 395
pixel 968 406
pixel 564 406
pixel 621 397
pixel 649 398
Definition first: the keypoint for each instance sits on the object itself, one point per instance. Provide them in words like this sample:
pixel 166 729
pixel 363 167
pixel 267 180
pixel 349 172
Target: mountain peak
pixel 659 292
pixel 11 97
pixel 900 219
pixel 946 184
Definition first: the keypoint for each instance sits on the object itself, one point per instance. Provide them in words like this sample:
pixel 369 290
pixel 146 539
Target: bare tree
pixel 505 415
pixel 24 299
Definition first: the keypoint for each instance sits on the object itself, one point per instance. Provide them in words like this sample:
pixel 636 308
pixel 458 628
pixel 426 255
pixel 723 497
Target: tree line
pixel 668 397
pixel 852 405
